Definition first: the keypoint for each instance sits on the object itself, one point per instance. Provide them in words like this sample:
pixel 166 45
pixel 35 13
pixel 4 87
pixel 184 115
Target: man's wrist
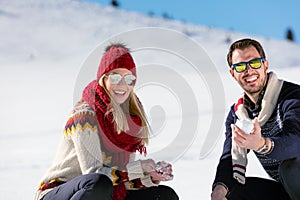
pixel 266 148
pixel 221 187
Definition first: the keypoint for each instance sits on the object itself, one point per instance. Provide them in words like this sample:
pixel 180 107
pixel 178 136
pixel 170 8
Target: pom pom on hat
pixel 116 56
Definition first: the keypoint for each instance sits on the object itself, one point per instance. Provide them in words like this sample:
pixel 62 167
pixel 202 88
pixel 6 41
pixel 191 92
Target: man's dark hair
pixel 243 44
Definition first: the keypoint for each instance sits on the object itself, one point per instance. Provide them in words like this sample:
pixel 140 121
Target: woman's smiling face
pixel 120 91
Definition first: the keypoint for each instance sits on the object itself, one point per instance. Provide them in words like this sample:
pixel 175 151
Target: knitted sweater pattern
pixel 80 152
pixel 271 129
pixel 282 127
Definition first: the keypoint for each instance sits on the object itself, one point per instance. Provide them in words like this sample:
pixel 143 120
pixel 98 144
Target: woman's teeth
pixel 119 92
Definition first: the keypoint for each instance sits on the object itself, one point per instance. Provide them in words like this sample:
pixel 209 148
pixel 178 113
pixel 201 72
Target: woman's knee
pixel 98 182
pixel 94 186
pixel 166 192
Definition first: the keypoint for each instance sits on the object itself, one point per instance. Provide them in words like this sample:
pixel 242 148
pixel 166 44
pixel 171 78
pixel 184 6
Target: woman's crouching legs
pixel 160 192
pixel 86 187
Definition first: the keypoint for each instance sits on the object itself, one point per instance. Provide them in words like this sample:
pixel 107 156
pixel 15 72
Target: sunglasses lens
pixel 114 78
pixel 240 67
pixel 255 64
pixel 129 79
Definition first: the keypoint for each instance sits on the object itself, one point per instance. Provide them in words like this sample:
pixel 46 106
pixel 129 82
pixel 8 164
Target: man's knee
pixel 290 176
pixel 289 169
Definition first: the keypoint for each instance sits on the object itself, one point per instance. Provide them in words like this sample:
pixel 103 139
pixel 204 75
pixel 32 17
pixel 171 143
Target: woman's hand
pixel 161 171
pixel 148 166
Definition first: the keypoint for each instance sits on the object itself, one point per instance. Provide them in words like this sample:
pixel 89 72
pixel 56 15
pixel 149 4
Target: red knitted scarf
pixel 118 145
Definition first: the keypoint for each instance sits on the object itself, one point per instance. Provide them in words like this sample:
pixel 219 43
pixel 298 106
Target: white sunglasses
pixel 116 78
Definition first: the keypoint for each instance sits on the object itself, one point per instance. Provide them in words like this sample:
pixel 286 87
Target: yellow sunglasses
pixel 242 66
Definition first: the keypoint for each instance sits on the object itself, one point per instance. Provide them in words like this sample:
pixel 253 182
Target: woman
pixel 95 159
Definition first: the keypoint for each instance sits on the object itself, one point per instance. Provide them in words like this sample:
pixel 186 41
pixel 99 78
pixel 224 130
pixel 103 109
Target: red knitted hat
pixel 116 56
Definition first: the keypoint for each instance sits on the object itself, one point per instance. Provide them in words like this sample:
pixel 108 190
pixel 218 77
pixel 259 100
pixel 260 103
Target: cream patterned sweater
pixel 79 153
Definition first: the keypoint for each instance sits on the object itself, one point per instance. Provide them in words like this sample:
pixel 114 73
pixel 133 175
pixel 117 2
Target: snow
pixel 50 50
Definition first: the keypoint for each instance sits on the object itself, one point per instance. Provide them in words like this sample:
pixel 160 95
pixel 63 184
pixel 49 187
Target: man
pixel 272 106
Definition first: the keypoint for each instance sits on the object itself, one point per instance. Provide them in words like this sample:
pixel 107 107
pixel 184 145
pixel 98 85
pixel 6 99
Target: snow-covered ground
pixel 50 50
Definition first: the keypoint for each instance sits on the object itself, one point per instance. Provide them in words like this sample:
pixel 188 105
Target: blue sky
pixel 267 18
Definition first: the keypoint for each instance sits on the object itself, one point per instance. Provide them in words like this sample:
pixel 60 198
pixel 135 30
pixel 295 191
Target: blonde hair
pixel 130 106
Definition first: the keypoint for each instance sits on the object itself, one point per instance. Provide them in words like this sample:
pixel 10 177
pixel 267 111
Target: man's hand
pixel 219 193
pixel 253 141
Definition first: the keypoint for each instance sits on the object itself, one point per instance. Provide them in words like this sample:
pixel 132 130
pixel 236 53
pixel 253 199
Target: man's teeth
pixel 119 92
pixel 251 79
